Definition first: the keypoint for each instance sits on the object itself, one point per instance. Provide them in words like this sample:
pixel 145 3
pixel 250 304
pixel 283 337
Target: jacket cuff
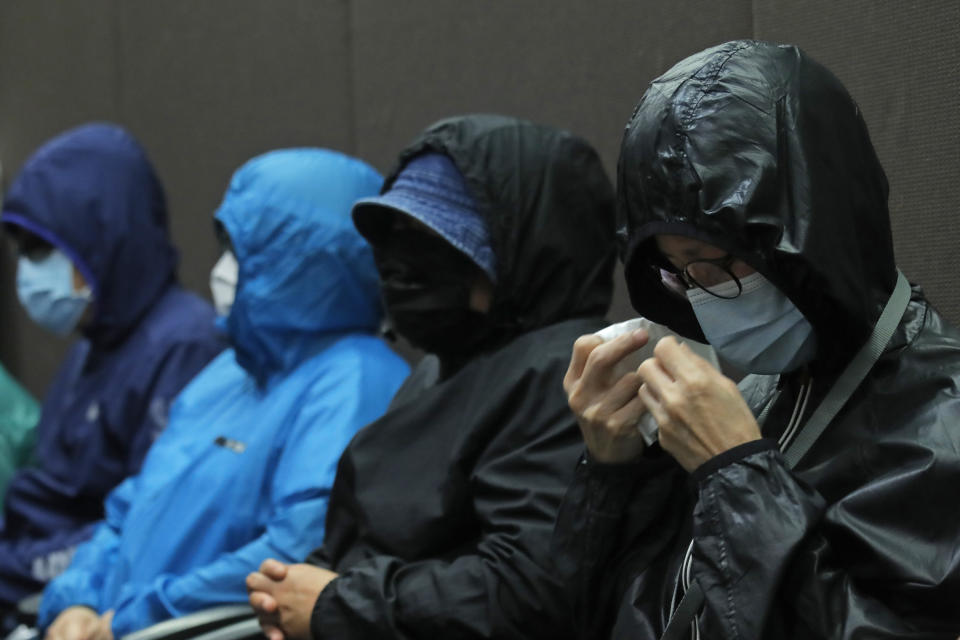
pixel 610 486
pixel 318 618
pixel 731 456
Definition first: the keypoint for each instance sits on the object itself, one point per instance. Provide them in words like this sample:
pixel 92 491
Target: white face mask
pixel 223 282
pixel 759 331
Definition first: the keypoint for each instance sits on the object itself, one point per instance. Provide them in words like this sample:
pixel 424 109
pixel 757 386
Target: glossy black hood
pixel 757 149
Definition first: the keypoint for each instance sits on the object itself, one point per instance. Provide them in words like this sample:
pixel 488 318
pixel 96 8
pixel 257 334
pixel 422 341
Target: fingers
pixel 77 630
pixel 679 361
pixel 76 623
pixel 263 603
pixel 653 375
pixel 652 404
pixel 578 359
pixel 104 630
pixel 256 581
pixel 626 419
pixel 616 406
pixel 273 569
pixel 271 632
pixel 593 358
pixel 269 624
pixel 603 358
pixel 599 362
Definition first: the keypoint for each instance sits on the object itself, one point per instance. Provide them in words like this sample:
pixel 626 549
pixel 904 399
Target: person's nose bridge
pixel 706 273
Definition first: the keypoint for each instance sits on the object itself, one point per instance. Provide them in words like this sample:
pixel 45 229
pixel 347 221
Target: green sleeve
pixel 19 413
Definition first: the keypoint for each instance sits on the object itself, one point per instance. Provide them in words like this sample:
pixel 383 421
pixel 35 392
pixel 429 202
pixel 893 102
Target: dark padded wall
pixel 206 85
pixel 577 65
pixel 56 71
pixel 901 62
pixel 203 85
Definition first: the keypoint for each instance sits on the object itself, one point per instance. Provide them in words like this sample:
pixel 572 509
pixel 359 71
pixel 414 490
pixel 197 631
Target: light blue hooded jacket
pixel 244 469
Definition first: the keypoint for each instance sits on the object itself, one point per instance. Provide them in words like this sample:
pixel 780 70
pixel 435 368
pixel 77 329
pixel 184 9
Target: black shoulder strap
pixel 838 395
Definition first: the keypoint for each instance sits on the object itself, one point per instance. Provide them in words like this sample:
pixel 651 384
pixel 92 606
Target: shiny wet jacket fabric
pixel 244 470
pixel 92 193
pixel 442 510
pixel 758 149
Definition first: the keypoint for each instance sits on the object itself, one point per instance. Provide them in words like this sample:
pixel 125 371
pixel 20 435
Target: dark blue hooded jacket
pixel 92 193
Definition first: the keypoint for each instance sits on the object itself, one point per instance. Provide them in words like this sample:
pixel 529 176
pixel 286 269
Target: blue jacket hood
pixel 305 272
pixel 93 193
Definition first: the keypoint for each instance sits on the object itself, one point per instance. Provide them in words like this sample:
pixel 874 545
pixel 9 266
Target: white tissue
pixel 647 425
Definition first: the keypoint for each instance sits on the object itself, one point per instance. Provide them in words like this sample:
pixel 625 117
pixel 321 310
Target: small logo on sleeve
pixel 46 568
pixel 229 443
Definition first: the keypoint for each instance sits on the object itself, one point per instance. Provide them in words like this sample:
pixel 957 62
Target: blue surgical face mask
pixel 45 289
pixel 759 331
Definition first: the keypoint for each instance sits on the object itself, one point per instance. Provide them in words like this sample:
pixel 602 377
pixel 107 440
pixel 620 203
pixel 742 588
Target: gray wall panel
pixel 901 63
pixel 56 71
pixel 207 85
pixel 577 65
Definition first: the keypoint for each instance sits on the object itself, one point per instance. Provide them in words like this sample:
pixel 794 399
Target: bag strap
pixel 683 615
pixel 854 373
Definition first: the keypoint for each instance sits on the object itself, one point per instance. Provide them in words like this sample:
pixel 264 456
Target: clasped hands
pixel 699 411
pixel 81 623
pixel 283 596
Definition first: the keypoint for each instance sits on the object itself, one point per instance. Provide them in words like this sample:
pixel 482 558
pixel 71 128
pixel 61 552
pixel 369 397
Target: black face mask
pixel 426 284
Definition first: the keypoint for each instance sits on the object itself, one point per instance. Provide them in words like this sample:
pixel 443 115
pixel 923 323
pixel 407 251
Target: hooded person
pixel 244 470
pixel 494 242
pixel 90 221
pixel 818 501
pixel 19 413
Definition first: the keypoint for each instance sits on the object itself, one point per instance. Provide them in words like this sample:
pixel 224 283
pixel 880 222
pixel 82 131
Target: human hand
pixel 74 623
pixel 607 406
pixel 283 596
pixel 105 627
pixel 699 411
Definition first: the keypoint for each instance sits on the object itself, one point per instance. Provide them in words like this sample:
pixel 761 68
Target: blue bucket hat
pixel 430 189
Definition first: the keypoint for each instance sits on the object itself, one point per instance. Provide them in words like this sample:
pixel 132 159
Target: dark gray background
pixel 206 85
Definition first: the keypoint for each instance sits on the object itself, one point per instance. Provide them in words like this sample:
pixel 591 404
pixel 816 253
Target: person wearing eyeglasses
pixel 817 499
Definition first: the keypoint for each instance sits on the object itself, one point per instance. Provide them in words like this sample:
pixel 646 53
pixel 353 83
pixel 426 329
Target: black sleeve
pixel 609 511
pixel 501 586
pixel 775 561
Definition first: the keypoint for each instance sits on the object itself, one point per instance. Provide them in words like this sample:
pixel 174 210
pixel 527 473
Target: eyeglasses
pixel 714 276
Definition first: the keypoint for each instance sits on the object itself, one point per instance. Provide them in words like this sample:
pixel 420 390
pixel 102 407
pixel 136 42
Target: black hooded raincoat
pixel 755 148
pixel 442 510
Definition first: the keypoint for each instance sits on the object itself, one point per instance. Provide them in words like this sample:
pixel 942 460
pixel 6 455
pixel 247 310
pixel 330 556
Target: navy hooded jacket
pixel 92 193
